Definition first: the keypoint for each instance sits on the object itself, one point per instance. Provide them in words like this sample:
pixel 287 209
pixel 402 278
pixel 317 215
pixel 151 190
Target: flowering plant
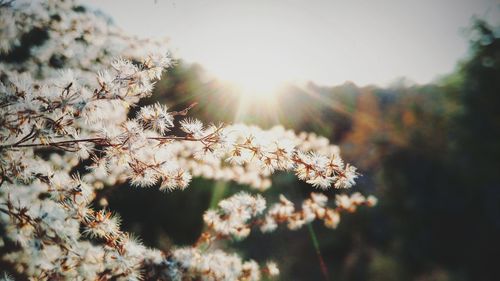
pixel 67 102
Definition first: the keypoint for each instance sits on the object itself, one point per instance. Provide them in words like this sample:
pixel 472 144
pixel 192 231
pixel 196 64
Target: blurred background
pixel 420 119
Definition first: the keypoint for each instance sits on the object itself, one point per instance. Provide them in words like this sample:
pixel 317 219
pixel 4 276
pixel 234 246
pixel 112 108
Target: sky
pixel 329 42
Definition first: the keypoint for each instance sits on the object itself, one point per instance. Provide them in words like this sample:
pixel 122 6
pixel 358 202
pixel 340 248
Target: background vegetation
pixel 430 153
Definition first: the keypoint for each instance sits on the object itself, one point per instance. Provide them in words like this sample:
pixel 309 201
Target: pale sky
pixel 327 42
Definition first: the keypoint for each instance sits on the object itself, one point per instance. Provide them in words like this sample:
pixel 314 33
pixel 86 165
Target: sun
pixel 252 80
pixel 255 66
pixel 256 82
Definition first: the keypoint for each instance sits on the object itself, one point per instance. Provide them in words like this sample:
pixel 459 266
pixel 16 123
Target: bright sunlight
pixel 251 70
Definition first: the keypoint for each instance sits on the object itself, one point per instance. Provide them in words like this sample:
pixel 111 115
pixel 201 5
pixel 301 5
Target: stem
pixel 31 134
pixel 217 193
pixel 315 241
pixel 92 140
pixel 51 143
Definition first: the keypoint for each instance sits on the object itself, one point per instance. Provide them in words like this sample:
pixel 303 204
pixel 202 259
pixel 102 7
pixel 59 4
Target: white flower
pixel 144 178
pixel 192 126
pixel 343 201
pixel 251 271
pixel 321 182
pixel 357 198
pixel 269 224
pixel 371 200
pixel 319 198
pixel 211 217
pixel 332 218
pixel 272 269
pixel 156 63
pixel 124 67
pixel 346 180
pixel 240 232
pixel 156 117
pixel 103 224
pixel 284 209
pixel 295 222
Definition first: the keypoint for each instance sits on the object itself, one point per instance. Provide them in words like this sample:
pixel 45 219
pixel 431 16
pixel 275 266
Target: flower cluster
pixel 235 217
pixel 237 214
pixel 218 265
pixel 68 101
pixel 313 208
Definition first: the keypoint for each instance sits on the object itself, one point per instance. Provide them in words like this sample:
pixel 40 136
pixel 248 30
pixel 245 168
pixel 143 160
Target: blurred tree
pixel 442 191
